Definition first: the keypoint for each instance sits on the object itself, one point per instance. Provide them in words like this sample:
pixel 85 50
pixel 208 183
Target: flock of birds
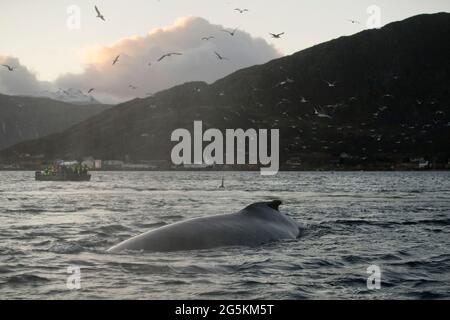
pixel 219 56
pixel 317 111
pixel 323 127
pixel 326 140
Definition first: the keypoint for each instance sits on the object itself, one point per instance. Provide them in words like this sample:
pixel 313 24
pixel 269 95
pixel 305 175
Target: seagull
pixel 304 100
pixel 90 90
pixel 231 33
pixel 331 84
pixel 241 10
pixel 353 21
pixel 169 55
pixel 116 60
pixel 285 82
pixel 284 101
pixel 208 38
pixel 321 114
pixel 220 57
pixel 8 67
pixel 132 87
pixel 276 35
pixel 99 15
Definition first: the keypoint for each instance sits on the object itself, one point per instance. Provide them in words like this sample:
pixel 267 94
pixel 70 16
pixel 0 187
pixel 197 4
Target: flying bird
pixel 116 60
pixel 277 35
pixel 321 114
pixel 353 21
pixel 8 67
pixel 169 55
pixel 208 38
pixel 284 101
pixel 231 33
pixel 90 90
pixel 285 82
pixel 241 10
pixel 99 15
pixel 220 57
pixel 132 87
pixel 331 84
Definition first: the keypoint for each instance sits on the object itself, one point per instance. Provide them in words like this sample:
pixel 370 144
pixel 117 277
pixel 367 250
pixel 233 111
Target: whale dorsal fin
pixel 254 208
pixel 275 205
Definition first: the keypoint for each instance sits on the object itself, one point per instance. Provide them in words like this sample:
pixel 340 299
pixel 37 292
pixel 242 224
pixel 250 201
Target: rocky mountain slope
pixel 25 118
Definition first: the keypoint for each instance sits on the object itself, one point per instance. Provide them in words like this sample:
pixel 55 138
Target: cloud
pixel 21 81
pixel 198 62
pixel 112 83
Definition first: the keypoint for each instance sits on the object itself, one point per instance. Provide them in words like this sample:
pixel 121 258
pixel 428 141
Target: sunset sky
pixel 36 33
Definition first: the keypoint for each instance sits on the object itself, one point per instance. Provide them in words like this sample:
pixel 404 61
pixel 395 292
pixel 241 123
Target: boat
pixel 64 172
pixel 40 176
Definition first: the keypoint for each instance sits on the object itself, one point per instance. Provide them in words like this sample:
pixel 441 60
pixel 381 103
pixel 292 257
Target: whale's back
pixel 252 226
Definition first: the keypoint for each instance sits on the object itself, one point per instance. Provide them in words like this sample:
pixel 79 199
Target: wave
pixel 438 222
pixel 112 228
pixel 66 248
pixel 143 268
pixel 25 279
pixel 26 210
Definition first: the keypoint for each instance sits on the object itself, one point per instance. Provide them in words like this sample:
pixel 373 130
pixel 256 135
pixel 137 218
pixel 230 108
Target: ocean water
pixel 396 221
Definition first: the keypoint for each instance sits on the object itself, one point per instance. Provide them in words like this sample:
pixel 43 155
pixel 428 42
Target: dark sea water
pixel 397 221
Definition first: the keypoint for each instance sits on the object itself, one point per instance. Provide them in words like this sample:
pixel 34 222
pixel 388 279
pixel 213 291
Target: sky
pixel 42 39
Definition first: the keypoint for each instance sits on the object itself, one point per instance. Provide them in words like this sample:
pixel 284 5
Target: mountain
pixel 73 96
pixel 25 118
pixel 390 103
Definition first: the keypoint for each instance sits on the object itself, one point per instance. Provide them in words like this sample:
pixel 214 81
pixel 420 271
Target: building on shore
pixel 112 165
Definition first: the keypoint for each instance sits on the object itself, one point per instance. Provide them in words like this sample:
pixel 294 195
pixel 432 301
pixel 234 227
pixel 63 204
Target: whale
pixel 258 224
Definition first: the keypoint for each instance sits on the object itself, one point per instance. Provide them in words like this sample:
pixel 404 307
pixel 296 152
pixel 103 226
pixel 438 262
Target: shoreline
pixel 237 171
